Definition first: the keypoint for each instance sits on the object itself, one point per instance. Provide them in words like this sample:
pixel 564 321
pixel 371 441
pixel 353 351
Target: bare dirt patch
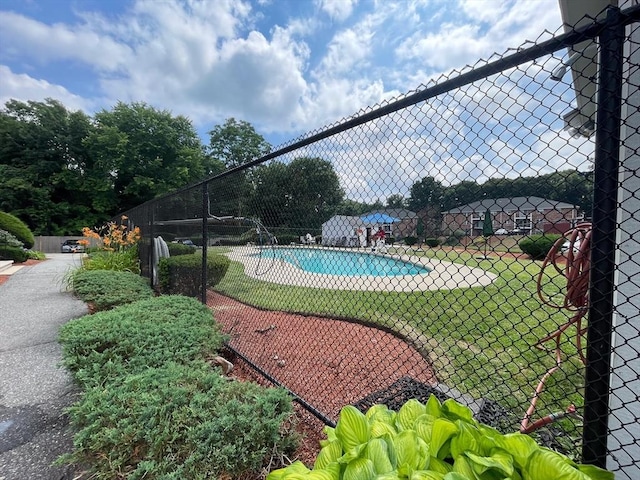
pixel 326 362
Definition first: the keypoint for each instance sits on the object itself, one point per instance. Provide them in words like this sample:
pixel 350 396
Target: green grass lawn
pixel 480 340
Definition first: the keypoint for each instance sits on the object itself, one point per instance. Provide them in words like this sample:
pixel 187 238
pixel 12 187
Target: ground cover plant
pixel 480 340
pixel 131 338
pixel 431 441
pixel 105 289
pixel 153 407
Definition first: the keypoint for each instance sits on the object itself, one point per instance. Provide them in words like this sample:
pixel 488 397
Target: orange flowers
pixel 114 237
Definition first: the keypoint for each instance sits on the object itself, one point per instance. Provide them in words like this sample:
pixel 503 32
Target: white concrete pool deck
pixel 443 275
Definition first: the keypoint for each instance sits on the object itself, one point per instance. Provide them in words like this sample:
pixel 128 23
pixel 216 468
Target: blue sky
pixel 286 66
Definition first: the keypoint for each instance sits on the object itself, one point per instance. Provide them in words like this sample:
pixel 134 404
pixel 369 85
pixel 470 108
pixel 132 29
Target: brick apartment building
pixel 521 215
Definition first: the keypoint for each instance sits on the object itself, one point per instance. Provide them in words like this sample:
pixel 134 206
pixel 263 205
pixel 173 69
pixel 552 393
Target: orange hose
pixel 576 272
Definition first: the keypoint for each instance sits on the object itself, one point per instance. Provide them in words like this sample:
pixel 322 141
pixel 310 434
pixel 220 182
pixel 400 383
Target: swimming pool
pixel 345 263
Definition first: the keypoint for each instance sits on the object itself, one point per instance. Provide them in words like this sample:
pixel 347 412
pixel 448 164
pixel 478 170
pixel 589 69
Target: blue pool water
pixel 336 262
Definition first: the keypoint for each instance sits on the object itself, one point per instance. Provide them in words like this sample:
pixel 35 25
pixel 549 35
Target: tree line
pixel 61 170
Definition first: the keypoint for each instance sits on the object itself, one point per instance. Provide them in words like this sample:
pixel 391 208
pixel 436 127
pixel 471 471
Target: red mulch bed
pixel 328 363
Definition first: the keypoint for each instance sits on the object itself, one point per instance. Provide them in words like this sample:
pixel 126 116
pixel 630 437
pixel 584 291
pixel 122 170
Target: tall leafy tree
pixel 147 152
pixel 300 195
pixel 396 201
pixel 235 143
pixel 45 169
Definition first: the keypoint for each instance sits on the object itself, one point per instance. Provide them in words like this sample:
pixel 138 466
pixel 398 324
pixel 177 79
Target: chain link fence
pixel 474 239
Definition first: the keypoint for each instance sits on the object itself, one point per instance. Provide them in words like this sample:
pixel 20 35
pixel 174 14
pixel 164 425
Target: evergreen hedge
pixel 537 246
pixel 182 275
pixel 17 228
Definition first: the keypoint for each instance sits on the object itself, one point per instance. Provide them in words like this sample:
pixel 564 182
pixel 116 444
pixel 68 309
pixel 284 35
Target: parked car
pixel 186 241
pixel 72 246
pixel 502 231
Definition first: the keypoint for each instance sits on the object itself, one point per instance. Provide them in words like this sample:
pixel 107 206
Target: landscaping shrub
pixel 131 338
pixel 454 238
pixel 9 240
pixel 17 228
pixel 106 289
pixel 410 241
pixel 431 242
pixel 431 441
pixel 16 254
pixel 288 238
pixel 180 422
pixel 176 249
pixel 537 246
pixel 122 261
pixel 36 255
pixel 183 274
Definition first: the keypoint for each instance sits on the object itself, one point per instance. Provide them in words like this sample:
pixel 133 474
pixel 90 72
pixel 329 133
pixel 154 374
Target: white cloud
pixel 22 36
pixel 20 86
pixel 337 9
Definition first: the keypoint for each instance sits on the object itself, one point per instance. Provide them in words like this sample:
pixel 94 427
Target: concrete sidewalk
pixel 34 389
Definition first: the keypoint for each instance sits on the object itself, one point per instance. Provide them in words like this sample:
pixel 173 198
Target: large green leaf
pixel 381 413
pixel 352 429
pixel 520 446
pixel 330 453
pixel 426 475
pixel 467 439
pixel 411 451
pixel 433 406
pixel 377 452
pixel 596 473
pixel 499 460
pixel 408 414
pixel 443 430
pixel 545 464
pixel 359 469
pixel 380 428
pixel 454 411
pixel 296 468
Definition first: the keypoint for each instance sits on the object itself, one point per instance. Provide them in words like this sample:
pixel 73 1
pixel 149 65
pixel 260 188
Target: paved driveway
pixel 34 390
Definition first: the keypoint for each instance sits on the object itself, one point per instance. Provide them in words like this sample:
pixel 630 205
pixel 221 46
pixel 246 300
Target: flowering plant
pixel 117 247
pixel 112 237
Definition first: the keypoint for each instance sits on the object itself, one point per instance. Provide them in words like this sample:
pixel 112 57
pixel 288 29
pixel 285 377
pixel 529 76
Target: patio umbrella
pixel 487 229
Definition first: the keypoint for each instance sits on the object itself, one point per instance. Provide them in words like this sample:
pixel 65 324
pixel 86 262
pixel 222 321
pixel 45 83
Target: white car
pixel 501 231
pixel 72 246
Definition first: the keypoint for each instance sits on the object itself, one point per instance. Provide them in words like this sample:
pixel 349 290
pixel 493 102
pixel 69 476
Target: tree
pixel 45 169
pixel 428 192
pixel 300 195
pixel 396 201
pixel 146 152
pixel 236 143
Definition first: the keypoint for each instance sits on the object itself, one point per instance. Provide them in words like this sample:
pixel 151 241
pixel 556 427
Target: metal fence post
pixel 607 153
pixel 205 215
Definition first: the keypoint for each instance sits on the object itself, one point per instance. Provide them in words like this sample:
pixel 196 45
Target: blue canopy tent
pixel 380 218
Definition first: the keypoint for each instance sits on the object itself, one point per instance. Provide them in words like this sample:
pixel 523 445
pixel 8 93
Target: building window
pixel 522 221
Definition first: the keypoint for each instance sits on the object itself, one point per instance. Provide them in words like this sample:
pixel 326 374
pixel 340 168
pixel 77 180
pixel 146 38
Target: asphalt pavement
pixel 34 388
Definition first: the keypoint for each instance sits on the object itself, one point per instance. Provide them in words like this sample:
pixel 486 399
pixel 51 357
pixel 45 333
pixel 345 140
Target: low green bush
pixel 537 246
pixel 183 274
pixel 133 337
pixel 106 289
pixel 17 228
pixel 176 249
pixel 180 422
pixel 431 242
pixel 16 254
pixel 410 241
pixel 36 255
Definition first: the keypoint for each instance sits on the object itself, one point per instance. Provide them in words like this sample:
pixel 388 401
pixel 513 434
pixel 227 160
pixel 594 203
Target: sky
pixel 286 66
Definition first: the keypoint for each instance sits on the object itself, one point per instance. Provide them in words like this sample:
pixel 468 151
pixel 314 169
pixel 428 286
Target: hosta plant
pixel 432 441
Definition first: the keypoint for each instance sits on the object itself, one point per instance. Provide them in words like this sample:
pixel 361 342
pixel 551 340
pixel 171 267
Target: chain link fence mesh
pixel 413 249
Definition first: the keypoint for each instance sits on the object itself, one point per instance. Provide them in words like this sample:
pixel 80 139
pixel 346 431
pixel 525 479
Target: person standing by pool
pixel 378 239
